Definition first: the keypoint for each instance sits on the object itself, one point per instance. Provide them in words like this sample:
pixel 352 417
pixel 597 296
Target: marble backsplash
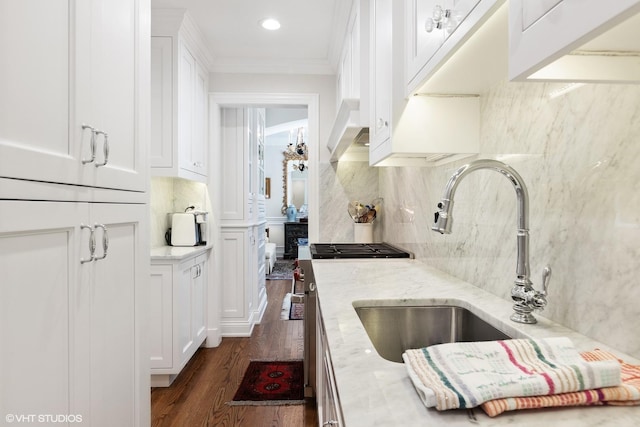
pixel 173 195
pixel 579 156
pixel 341 183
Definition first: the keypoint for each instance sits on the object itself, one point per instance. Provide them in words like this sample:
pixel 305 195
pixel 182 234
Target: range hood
pixel 350 132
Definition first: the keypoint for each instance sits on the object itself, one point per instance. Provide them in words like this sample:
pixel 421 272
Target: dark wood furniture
pixel 292 232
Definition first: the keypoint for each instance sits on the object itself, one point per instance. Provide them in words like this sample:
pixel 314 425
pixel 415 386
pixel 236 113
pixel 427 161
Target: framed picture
pixel 267 188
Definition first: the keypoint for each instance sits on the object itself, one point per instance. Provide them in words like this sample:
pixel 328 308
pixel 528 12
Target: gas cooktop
pixel 356 250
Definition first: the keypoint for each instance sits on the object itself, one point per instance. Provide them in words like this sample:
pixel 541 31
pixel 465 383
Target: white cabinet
pixel 179 90
pixel 243 220
pixel 178 315
pixel 71 342
pixel 546 31
pixel 259 269
pixel 329 411
pixel 381 71
pixel 254 119
pixel 422 130
pixel 352 84
pixel 436 29
pixel 68 99
pixel 74 258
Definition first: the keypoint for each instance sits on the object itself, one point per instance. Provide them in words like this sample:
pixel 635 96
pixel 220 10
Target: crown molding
pixel 272 66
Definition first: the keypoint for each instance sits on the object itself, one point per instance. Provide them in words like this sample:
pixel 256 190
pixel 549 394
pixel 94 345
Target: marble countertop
pixel 177 253
pixel 376 392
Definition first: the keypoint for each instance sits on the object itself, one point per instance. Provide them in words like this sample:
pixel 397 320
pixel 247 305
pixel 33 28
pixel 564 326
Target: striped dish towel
pixel 465 375
pixel 626 394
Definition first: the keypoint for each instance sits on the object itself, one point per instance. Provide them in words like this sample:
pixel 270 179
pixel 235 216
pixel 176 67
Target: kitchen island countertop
pixel 376 392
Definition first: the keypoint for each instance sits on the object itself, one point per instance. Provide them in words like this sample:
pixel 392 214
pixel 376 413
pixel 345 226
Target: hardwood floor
pixel 198 396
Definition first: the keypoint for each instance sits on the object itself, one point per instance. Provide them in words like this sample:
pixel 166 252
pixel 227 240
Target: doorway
pixel 219 101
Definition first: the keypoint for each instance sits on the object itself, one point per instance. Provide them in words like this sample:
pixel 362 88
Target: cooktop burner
pixel 356 250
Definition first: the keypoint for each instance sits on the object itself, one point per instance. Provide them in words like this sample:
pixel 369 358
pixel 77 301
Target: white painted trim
pixel 272 66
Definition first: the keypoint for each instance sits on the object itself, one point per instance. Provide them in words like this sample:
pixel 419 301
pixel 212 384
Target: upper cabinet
pixel 242 152
pixel 417 131
pixel 78 122
pixel 179 87
pixel 435 31
pixel 582 41
pixel 352 82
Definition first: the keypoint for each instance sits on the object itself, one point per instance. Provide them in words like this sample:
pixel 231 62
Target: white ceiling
pixel 307 43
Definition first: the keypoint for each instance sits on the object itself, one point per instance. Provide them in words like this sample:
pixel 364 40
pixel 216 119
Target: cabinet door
pixel 381 66
pixel 115 369
pixel 260 125
pixel 36 141
pixel 161 144
pixel 186 84
pixel 161 317
pixel 199 150
pixel 182 311
pixel 70 343
pixel 40 263
pixel 540 32
pixel 235 299
pixel 115 94
pixel 64 65
pixel 199 300
pixel 421 45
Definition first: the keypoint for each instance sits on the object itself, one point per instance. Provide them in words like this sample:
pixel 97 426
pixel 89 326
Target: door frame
pixel 220 100
pixel 217 102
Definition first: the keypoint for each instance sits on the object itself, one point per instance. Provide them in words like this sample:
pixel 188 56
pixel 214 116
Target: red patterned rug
pixel 271 383
pixel 297 311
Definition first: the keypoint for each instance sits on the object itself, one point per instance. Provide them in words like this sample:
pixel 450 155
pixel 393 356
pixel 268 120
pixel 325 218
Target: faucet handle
pixel 546 275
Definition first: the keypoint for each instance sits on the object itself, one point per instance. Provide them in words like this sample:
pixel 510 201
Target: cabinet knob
pixel 382 123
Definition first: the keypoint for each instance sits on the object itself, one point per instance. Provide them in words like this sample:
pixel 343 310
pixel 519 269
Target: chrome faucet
pixel 525 297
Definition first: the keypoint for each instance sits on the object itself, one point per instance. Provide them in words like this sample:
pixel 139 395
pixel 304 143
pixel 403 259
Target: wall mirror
pixel 286 137
pixel 294 180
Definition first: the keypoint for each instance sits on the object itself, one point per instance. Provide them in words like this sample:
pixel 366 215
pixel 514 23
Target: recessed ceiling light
pixel 269 24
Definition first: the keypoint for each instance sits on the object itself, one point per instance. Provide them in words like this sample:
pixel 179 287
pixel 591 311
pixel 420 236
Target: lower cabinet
pixel 329 412
pixel 71 337
pixel 178 315
pixel 244 297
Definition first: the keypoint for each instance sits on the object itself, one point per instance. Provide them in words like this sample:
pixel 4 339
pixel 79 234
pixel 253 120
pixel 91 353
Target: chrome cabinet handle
pixel 92 144
pixel 105 148
pixel 105 241
pixel 92 244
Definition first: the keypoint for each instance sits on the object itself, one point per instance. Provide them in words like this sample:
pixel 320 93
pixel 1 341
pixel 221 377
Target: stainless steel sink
pixel 394 329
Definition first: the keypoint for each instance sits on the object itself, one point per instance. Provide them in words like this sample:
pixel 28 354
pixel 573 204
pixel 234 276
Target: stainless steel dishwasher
pixel 329 251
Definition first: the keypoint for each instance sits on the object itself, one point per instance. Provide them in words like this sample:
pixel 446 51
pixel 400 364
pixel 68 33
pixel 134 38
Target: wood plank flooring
pixel 198 396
